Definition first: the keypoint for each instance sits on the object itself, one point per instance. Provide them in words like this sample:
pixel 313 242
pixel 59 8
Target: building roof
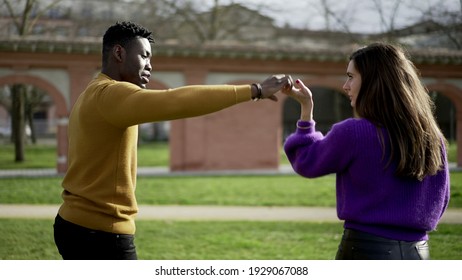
pixel 211 50
pixel 251 36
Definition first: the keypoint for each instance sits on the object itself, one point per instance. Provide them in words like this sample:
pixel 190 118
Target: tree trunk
pixel 18 121
pixel 32 96
pixel 30 121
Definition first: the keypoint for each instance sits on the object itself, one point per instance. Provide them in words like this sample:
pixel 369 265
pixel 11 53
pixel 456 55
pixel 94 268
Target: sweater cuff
pixel 243 93
pixel 305 126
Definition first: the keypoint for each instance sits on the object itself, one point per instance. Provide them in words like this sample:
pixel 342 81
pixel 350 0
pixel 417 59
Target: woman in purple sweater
pixel 390 160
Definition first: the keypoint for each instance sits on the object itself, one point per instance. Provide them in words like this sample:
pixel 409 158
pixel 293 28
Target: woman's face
pixel 353 83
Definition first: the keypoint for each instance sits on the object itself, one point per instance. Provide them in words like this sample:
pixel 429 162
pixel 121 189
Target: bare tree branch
pixel 330 14
pixel 387 20
pixel 40 13
pixel 23 20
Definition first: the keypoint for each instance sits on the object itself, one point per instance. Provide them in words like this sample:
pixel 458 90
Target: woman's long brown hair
pixel 392 96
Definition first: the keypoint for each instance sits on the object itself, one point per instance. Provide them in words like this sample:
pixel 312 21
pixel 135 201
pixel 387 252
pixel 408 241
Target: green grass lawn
pixel 188 240
pixel 32 239
pixel 44 156
pixel 212 190
pixel 149 154
pixel 280 190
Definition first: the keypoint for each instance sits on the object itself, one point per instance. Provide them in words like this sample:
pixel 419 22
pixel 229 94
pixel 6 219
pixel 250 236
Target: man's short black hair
pixel 122 33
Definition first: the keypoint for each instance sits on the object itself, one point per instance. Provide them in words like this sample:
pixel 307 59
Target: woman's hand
pixel 302 95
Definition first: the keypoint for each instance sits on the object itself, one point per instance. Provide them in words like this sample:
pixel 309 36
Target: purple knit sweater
pixel 370 197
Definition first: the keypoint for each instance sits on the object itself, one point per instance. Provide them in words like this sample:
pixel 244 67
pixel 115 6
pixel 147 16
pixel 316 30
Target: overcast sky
pixel 360 15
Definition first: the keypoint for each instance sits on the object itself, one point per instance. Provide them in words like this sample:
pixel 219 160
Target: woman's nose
pixel 345 86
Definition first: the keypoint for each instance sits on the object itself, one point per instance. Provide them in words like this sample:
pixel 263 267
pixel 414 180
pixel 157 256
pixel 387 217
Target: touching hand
pixel 300 93
pixel 274 84
pixel 303 95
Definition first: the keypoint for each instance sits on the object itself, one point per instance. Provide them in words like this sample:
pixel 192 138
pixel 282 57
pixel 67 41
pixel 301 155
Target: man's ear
pixel 119 52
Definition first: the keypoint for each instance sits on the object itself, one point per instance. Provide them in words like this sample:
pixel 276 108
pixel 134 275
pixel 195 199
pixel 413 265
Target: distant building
pixel 62 54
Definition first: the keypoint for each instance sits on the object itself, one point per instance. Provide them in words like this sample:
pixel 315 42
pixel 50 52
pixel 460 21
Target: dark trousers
pixel 79 243
pixel 357 245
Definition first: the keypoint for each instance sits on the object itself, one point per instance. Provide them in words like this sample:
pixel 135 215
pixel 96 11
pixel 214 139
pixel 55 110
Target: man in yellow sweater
pixel 96 219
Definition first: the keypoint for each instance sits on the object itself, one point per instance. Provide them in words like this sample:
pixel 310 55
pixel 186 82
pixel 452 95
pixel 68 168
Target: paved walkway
pixel 209 213
pixel 152 171
pixel 203 213
pixel 164 171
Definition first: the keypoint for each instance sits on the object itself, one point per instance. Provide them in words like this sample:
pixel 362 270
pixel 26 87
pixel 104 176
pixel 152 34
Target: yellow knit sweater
pixel 99 186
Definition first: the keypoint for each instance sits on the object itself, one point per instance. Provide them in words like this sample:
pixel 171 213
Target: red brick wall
pixel 247 136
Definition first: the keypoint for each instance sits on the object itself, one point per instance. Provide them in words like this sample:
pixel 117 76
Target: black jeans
pixel 79 243
pixel 358 245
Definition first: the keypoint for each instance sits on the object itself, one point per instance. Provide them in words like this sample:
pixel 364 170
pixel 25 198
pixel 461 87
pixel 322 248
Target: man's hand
pixel 274 84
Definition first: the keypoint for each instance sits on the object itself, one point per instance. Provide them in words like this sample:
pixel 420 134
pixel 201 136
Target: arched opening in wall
pixel 153 139
pixel 153 144
pixel 330 107
pixel 31 110
pixel 445 113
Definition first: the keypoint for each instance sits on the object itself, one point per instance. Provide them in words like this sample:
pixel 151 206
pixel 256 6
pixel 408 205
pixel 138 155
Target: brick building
pixel 247 136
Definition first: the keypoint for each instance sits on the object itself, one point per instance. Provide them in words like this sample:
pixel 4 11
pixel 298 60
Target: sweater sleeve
pixel 447 189
pixel 312 154
pixel 124 104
